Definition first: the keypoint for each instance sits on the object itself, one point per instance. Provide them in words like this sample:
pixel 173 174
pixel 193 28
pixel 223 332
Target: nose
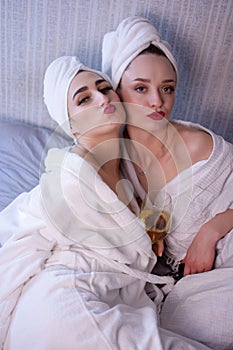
pixel 156 99
pixel 102 99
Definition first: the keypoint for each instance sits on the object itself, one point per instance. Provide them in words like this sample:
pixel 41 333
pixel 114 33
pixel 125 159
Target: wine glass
pixel 156 215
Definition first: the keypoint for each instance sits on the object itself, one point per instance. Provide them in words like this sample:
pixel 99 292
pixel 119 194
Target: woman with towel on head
pixel 69 262
pixel 75 258
pixel 192 163
pixel 194 166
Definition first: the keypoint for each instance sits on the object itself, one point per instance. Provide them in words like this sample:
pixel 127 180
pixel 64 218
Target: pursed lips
pixel 109 109
pixel 156 115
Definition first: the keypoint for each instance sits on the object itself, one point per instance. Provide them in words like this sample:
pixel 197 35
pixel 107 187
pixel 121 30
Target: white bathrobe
pixel 200 306
pixel 74 270
pixel 198 194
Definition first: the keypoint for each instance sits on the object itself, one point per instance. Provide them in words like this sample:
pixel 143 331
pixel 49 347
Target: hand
pixel 201 253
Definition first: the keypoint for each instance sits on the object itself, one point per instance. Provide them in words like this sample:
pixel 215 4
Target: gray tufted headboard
pixel 34 32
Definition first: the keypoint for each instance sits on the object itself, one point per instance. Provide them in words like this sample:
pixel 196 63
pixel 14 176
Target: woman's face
pixel 93 104
pixel 148 90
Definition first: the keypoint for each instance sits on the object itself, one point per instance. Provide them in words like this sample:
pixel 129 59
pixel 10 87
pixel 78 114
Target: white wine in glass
pixel 157 216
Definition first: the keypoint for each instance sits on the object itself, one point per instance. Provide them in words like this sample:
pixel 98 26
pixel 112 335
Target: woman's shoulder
pixel 197 139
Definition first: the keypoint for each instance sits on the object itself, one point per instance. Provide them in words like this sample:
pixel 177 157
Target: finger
pixel 160 247
pixel 187 270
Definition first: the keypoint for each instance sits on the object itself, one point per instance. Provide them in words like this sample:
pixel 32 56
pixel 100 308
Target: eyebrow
pixel 85 88
pixel 148 80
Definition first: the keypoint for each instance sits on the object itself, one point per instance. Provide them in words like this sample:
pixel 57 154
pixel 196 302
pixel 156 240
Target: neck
pixel 155 142
pixel 104 156
pixel 148 152
pixel 99 150
pixel 107 152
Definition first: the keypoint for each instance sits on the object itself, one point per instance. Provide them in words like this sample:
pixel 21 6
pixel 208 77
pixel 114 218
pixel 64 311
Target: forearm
pixel 201 253
pixel 220 225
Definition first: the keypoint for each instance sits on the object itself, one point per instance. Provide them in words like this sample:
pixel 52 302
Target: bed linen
pixel 63 266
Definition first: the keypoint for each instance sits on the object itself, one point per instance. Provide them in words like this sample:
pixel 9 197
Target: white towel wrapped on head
pixel 57 80
pixel 133 35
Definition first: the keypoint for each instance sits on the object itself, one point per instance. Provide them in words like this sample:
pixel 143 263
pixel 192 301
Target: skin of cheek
pixel 94 117
pixel 84 121
pixel 137 116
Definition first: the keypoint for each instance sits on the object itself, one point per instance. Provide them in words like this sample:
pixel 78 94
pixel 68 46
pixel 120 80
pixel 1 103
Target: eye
pixel 140 89
pixel 105 89
pixel 83 100
pixel 168 89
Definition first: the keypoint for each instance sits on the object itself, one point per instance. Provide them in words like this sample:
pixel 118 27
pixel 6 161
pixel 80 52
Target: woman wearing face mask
pixel 188 161
pixel 75 259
